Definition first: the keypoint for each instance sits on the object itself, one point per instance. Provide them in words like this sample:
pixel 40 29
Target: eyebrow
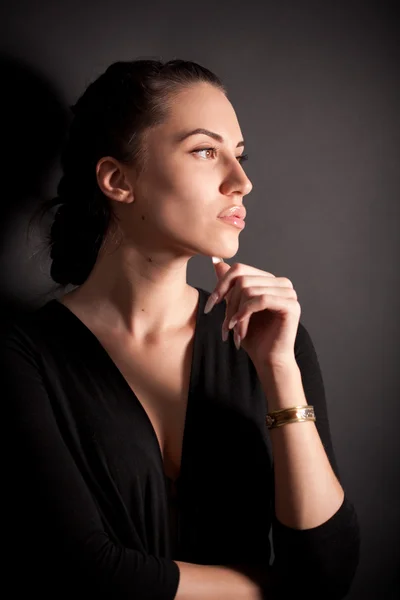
pixel 215 136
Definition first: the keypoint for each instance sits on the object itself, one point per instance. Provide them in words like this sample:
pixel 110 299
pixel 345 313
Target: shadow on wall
pixel 33 129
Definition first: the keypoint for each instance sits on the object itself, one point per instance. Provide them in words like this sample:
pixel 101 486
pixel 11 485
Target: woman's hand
pixel 262 308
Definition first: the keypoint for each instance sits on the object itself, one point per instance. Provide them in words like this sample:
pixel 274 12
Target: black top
pixel 87 507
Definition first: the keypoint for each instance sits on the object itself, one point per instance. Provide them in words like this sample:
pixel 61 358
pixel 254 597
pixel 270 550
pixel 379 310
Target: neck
pixel 137 295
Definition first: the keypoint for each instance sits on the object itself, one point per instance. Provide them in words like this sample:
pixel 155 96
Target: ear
pixel 113 180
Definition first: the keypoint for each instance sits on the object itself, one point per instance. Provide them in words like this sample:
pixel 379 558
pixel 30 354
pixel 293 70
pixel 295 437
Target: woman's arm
pixel 49 503
pixel 52 520
pixel 307 491
pixel 198 582
pixel 315 528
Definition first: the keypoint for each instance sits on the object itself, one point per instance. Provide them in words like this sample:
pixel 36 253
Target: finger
pixel 241 327
pixel 239 298
pixel 244 305
pixel 280 304
pixel 220 267
pixel 238 270
pixel 233 299
pixel 246 281
pixel 260 300
pixel 240 320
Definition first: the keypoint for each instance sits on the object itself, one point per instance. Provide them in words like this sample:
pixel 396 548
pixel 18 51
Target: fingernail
pixel 232 323
pixel 210 302
pixel 216 260
pixel 237 340
pixel 225 334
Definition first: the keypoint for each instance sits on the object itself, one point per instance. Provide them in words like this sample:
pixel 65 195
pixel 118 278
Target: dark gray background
pixel 316 89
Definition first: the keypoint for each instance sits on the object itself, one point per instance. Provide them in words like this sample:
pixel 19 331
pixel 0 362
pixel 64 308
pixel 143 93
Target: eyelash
pixel 240 158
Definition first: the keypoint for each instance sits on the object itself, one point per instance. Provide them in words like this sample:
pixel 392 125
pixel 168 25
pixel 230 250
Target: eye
pixel 240 158
pixel 212 149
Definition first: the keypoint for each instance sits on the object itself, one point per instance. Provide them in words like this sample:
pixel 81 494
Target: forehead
pixel 203 105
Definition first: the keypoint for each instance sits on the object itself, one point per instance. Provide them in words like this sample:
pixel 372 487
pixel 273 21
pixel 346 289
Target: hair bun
pixel 75 242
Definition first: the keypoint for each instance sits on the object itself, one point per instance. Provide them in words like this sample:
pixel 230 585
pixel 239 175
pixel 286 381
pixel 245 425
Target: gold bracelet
pixel 295 414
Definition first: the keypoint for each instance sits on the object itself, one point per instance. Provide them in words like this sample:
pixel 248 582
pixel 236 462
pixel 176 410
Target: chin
pixel 221 251
pixel 222 247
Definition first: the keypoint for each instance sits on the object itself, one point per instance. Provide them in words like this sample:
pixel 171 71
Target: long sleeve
pixel 322 561
pixel 55 535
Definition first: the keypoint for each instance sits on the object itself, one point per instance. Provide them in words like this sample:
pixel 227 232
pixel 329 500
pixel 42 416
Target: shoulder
pixel 26 328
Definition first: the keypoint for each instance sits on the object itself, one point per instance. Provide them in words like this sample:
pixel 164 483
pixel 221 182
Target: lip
pixel 235 221
pixel 235 210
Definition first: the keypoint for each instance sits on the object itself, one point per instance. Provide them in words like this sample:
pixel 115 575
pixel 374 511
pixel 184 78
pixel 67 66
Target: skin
pixel 167 215
pixel 138 289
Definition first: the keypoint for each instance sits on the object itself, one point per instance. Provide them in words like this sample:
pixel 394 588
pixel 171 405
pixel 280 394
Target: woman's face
pixel 188 182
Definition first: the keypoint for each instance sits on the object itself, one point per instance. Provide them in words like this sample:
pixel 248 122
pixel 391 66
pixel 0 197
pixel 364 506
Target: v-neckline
pixel 193 375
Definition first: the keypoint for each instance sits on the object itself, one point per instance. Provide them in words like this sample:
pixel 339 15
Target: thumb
pixel 220 267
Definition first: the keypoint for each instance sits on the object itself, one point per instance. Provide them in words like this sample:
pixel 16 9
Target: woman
pixel 144 462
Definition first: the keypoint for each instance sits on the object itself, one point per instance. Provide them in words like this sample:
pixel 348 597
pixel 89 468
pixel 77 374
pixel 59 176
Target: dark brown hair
pixel 109 119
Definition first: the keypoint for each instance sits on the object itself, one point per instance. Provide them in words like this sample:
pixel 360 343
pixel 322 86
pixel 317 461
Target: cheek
pixel 179 196
pixel 182 214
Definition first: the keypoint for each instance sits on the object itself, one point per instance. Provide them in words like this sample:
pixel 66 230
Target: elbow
pixel 323 565
pixel 339 578
pixel 113 571
pixel 334 581
pixel 337 570
pixel 330 579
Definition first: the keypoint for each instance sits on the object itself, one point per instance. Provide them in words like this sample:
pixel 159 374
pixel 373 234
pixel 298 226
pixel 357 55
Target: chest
pixel 159 377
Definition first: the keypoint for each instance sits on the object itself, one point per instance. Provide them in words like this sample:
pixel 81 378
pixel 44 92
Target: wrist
pixel 274 371
pixel 282 385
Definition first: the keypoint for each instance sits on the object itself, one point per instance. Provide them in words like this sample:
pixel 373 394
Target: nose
pixel 236 181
